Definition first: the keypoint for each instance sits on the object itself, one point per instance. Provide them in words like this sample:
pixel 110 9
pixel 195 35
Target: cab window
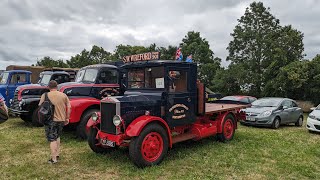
pixel 60 78
pixel 108 76
pixel 178 81
pixel 18 78
pixel 152 77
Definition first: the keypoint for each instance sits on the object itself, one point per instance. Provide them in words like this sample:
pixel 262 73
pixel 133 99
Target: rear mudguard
pixel 135 128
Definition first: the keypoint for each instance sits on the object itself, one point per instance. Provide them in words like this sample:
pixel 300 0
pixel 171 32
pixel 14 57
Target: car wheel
pixel 94 143
pixel 81 128
pixel 276 123
pixel 150 147
pixel 299 122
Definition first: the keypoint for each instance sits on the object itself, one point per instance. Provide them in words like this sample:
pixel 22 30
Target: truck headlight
pixel 116 120
pixel 94 117
pixel 266 113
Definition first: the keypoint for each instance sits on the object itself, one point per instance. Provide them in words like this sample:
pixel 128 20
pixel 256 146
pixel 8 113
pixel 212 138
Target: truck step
pixel 183 137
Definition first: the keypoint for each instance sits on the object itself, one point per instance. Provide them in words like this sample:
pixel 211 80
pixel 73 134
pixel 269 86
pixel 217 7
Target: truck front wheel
pixel 94 142
pixel 26 117
pixel 228 129
pixel 150 147
pixel 81 128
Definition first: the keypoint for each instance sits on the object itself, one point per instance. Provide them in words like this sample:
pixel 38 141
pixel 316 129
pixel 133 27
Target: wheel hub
pixel 152 146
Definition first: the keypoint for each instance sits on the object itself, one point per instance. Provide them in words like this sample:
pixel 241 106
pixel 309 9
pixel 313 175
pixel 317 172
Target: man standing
pixel 62 109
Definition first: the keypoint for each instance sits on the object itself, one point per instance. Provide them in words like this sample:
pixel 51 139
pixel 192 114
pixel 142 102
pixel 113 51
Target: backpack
pixel 46 111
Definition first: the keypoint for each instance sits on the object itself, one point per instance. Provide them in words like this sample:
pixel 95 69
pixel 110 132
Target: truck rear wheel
pixel 26 117
pixel 228 129
pixel 150 147
pixel 81 128
pixel 94 142
pixel 35 118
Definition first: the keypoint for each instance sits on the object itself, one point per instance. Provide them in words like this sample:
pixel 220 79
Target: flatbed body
pixel 212 108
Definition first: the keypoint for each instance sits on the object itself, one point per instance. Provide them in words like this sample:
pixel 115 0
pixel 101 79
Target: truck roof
pixel 157 63
pixel 99 66
pixel 19 71
pixel 54 72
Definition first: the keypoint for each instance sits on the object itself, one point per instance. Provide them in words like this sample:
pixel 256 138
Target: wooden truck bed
pixel 217 107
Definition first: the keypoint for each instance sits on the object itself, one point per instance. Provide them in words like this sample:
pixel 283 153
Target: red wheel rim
pixel 228 129
pixel 152 146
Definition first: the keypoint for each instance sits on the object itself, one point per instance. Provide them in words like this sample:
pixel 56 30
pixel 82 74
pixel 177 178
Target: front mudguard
pixel 92 123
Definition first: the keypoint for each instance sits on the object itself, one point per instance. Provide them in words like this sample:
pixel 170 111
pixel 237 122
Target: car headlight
pixel 116 120
pixel 266 113
pixel 94 117
pixel 312 116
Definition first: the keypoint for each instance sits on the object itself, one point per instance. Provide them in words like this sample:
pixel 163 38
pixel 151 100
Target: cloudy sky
pixel 32 29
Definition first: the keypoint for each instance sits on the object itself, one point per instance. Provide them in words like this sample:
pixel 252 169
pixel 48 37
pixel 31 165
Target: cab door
pixel 181 99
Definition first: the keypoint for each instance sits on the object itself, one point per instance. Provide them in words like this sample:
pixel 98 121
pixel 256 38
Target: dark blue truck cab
pixel 10 80
pixel 164 104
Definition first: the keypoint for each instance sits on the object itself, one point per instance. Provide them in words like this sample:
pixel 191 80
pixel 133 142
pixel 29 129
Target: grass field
pixel 254 153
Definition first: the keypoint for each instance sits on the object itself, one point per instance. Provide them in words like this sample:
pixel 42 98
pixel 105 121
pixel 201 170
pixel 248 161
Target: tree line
pixel 266 58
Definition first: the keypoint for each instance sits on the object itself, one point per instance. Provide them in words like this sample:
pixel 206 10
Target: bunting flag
pixel 179 55
pixel 189 58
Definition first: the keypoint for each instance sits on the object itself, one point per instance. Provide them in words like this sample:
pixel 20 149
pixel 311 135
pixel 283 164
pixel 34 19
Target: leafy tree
pixel 261 46
pixel 199 47
pixel 125 50
pixel 167 53
pixel 49 62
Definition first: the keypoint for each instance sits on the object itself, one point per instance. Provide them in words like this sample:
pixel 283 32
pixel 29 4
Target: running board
pixel 183 137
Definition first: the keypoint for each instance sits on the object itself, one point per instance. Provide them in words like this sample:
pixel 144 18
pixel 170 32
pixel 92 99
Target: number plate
pixel 250 119
pixel 110 143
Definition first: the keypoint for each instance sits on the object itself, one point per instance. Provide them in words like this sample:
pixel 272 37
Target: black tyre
pixel 81 128
pixel 276 123
pixel 150 147
pixel 35 118
pixel 26 117
pixel 228 129
pixel 94 142
pixel 299 122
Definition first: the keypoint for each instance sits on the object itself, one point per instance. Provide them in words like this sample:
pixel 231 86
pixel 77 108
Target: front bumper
pixel 313 125
pixel 258 121
pixel 119 139
pixel 18 112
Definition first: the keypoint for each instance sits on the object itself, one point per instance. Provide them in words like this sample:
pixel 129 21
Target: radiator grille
pixel 108 110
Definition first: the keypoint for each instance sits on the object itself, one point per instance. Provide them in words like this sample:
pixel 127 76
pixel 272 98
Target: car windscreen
pixel 90 75
pixel 267 102
pixel 4 78
pixel 44 79
pixel 80 75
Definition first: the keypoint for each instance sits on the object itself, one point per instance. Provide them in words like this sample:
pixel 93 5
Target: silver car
pixel 272 112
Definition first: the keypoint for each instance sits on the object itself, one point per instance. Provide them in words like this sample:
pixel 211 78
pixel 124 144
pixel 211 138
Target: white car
pixel 313 121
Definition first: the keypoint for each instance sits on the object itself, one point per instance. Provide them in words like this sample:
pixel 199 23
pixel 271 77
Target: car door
pixel 286 111
pixel 295 113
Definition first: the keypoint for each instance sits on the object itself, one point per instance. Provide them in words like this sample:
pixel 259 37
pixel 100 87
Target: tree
pixel 97 55
pixel 193 44
pixel 261 46
pixel 49 62
pixel 167 53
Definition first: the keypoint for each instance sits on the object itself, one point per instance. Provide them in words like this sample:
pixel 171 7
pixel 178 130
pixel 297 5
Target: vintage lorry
pixel 92 83
pixel 10 80
pixel 164 104
pixel 26 97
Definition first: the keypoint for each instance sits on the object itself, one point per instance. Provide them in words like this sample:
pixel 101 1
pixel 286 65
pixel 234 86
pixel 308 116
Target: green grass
pixel 254 153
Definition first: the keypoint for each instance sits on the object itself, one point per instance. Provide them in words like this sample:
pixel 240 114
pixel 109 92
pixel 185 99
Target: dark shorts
pixel 53 130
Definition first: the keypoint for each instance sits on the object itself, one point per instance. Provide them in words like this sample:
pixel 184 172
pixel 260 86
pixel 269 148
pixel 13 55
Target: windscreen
pixel 4 78
pixel 266 102
pixel 45 79
pixel 140 78
pixel 87 75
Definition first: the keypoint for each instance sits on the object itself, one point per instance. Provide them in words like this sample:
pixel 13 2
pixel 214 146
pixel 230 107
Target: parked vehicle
pixel 11 80
pixel 163 104
pixel 313 120
pixel 239 98
pixel 92 83
pixel 26 98
pixel 273 112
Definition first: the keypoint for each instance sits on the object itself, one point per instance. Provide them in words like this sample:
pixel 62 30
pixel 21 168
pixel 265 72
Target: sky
pixel 32 29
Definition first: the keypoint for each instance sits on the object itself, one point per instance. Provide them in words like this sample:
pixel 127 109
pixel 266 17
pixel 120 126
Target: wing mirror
pixel 281 107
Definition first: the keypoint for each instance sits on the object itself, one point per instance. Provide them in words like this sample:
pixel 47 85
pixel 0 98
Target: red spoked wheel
pixel 150 147
pixel 228 129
